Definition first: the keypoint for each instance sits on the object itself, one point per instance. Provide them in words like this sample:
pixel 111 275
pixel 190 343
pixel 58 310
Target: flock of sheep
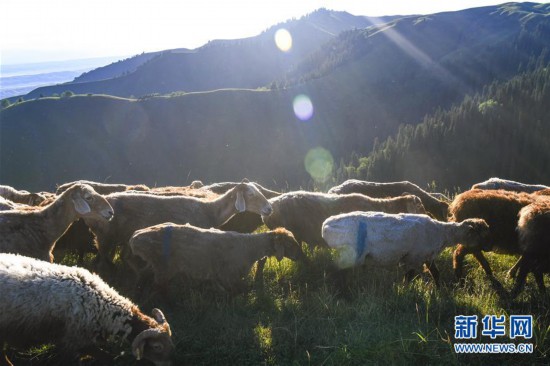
pixel 206 233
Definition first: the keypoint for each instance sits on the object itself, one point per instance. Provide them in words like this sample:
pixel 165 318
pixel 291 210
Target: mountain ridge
pixel 389 76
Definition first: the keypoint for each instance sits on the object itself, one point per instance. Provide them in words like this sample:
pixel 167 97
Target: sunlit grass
pixel 297 315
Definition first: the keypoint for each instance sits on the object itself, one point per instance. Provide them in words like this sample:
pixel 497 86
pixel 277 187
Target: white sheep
pixel 136 211
pixel 224 257
pixel 303 212
pixel 407 240
pixel 75 310
pixel 33 232
pixel 509 185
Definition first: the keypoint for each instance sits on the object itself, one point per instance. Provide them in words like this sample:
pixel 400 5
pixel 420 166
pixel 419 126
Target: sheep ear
pixel 81 206
pixel 240 204
pixel 158 315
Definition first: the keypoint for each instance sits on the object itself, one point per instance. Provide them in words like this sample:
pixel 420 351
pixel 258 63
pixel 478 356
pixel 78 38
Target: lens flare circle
pixel 303 108
pixel 319 164
pixel 283 40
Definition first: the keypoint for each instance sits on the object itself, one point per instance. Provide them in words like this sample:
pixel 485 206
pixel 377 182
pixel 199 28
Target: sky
pixel 50 30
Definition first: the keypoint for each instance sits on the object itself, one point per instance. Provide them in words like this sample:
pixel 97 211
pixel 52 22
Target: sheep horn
pixel 139 341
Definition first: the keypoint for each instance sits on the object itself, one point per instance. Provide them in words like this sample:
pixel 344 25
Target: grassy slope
pixel 171 140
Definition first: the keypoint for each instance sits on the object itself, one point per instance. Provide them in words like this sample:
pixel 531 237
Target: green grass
pixel 298 317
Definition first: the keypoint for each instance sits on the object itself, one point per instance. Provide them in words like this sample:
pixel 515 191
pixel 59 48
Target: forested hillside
pixel 502 132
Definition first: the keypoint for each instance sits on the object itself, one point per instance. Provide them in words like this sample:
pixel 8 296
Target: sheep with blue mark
pixel 407 240
pixel 223 257
pixel 136 211
pixel 303 212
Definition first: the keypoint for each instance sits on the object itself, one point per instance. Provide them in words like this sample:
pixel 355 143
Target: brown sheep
pixel 435 207
pixel 534 242
pixel 183 191
pixel 33 232
pixel 138 210
pixel 499 208
pixel 242 222
pixel 78 238
pixel 303 212
pixel 103 188
pixel 224 257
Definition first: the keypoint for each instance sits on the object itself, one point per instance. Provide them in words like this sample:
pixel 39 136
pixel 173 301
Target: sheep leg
pixel 483 262
pixel 434 272
pixel 458 261
pixel 512 272
pixel 341 279
pixel 259 275
pixel 520 279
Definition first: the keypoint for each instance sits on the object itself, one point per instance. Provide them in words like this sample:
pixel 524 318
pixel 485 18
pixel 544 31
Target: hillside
pixel 504 132
pixel 115 69
pixel 415 65
pixel 246 63
pixel 362 87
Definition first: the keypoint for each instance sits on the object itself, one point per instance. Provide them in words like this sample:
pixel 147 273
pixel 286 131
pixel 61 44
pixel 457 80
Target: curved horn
pixel 139 342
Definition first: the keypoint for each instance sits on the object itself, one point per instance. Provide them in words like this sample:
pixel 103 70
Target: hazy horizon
pixel 36 31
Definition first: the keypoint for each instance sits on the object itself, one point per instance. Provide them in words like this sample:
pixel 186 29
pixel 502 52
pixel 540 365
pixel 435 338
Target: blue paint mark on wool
pixel 361 244
pixel 166 241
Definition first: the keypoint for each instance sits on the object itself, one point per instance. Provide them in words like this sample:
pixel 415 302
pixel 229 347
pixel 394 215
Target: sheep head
pixel 249 198
pixel 414 204
pixel 35 199
pixel 476 234
pixel 285 245
pixel 88 203
pixel 155 344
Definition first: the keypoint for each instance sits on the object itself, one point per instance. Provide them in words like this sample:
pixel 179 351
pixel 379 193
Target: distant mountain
pixel 363 83
pixel 20 79
pixel 116 69
pixel 246 63
pixel 20 85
